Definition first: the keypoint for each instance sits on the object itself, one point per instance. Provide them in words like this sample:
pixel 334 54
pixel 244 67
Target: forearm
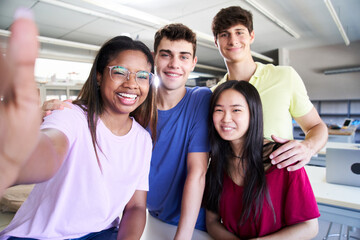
pixel 190 205
pixel 316 137
pixel 303 230
pixel 46 159
pixel 9 172
pixel 132 223
pixel 218 232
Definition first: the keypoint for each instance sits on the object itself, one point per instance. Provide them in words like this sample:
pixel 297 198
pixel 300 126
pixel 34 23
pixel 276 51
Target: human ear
pixel 252 37
pixel 215 40
pixel 98 79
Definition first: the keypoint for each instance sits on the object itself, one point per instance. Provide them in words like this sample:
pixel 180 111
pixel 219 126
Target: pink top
pixel 292 198
pixel 80 199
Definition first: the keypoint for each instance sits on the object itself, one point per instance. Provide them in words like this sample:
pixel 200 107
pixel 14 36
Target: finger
pixel 281 150
pixel 22 53
pixel 289 162
pixel 285 156
pixel 45 113
pixel 5 81
pixel 279 139
pixel 66 104
pixel 297 166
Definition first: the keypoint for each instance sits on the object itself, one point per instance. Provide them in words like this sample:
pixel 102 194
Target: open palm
pixel 20 115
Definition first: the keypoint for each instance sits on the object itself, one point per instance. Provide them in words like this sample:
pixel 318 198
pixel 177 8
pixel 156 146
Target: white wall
pixel 310 64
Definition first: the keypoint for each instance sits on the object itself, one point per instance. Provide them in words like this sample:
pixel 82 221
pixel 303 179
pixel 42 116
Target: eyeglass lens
pixel 119 73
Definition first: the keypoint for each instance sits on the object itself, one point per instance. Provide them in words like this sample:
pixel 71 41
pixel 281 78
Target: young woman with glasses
pixel 92 161
pixel 245 196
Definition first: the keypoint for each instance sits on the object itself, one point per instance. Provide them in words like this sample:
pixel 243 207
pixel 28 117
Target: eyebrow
pixel 236 29
pixel 234 105
pixel 170 52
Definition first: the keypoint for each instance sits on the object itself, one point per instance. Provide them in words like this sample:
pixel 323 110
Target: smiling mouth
pixel 172 74
pixel 227 128
pixel 128 96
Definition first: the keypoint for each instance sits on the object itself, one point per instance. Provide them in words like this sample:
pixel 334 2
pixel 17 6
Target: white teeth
pixel 173 74
pixel 227 128
pixel 127 95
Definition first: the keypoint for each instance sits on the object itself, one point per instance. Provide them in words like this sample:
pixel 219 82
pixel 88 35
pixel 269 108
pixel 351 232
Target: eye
pixel 224 34
pixel 218 110
pixel 184 57
pixel 120 71
pixel 164 55
pixel 142 75
pixel 237 110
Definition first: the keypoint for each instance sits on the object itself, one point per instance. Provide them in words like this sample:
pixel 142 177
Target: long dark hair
pixel 251 159
pixel 90 99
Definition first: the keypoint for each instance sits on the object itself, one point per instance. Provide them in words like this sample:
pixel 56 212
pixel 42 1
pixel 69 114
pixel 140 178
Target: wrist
pixel 9 172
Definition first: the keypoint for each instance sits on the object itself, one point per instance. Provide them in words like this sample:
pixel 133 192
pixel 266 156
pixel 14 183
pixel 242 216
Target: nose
pixel 174 62
pixel 226 116
pixel 233 40
pixel 131 80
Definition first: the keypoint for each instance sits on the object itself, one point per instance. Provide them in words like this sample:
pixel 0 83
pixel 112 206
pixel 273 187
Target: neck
pixel 168 99
pixel 237 147
pixel 119 124
pixel 243 70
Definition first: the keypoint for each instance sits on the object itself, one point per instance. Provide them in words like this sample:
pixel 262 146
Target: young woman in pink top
pixel 91 162
pixel 245 196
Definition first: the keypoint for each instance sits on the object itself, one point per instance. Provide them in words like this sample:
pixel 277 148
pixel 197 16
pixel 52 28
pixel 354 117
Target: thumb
pixel 279 139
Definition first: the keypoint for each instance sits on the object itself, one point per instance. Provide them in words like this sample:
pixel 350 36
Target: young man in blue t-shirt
pixel 180 155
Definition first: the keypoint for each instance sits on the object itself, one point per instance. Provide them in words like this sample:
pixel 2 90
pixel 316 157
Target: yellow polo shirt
pixel 283 96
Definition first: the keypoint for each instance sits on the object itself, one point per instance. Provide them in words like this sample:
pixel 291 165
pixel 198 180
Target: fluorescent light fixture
pixel 274 19
pixel 342 70
pixel 94 13
pixel 121 9
pixel 198 65
pixel 58 42
pixel 337 21
pixel 261 56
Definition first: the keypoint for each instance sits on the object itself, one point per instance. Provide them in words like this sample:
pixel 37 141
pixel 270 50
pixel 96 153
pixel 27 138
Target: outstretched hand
pixel 292 154
pixel 19 103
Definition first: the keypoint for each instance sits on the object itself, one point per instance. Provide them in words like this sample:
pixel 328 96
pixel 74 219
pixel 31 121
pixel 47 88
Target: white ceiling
pixel 81 21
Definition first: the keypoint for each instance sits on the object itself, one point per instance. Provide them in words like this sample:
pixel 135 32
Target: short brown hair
pixel 173 32
pixel 231 16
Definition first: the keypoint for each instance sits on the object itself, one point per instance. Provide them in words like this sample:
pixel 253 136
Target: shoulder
pixel 73 114
pixel 277 69
pixel 199 97
pixel 140 131
pixel 199 91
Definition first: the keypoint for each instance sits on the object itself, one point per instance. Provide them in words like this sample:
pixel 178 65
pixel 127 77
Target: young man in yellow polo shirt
pixel 281 89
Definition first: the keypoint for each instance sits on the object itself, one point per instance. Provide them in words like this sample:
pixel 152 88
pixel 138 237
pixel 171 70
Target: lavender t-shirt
pixel 81 198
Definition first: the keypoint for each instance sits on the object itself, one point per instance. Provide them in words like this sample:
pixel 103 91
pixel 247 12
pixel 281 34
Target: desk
pixel 156 229
pixel 342 135
pixel 320 158
pixel 337 203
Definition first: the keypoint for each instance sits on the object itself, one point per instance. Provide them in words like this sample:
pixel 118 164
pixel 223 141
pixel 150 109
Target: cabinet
pixel 334 112
pixel 61 92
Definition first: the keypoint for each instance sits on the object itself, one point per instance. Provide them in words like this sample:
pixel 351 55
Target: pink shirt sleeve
pixel 300 204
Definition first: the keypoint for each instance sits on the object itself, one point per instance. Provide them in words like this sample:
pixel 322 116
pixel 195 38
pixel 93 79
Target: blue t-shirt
pixel 180 130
